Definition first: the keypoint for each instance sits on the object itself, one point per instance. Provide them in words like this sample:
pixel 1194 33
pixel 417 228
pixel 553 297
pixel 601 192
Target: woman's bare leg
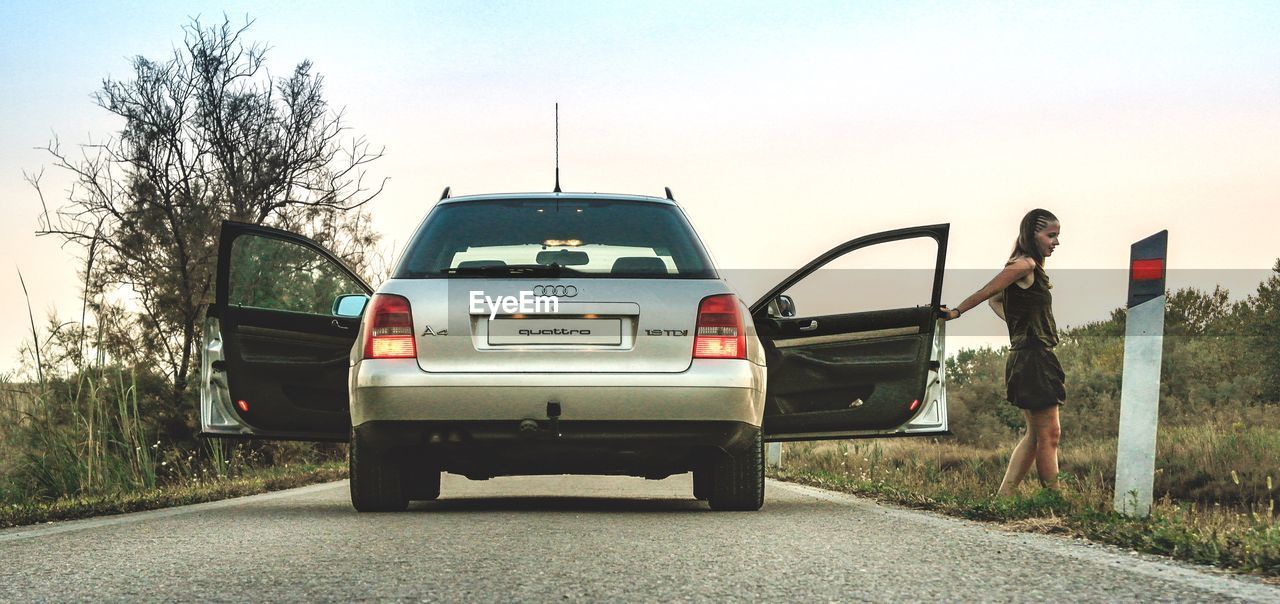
pixel 1044 423
pixel 1020 462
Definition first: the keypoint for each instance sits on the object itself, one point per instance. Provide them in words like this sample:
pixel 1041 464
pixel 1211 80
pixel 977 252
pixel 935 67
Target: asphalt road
pixel 577 538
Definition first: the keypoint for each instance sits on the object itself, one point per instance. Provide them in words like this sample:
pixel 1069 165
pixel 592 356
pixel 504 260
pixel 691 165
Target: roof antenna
pixel 557 189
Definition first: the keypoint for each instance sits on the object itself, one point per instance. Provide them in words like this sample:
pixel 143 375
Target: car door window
pixel 276 274
pixel 895 274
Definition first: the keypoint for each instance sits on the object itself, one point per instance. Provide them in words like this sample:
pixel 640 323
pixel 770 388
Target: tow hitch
pixel 531 428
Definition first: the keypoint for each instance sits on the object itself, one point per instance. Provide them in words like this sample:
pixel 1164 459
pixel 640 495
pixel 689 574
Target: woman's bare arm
pixel 997 305
pixel 1012 272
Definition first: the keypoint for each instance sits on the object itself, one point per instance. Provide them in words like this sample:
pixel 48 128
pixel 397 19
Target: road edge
pixel 1223 581
pixel 31 531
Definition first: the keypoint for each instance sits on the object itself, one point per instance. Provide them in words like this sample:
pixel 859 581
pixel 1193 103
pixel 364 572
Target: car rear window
pixel 578 237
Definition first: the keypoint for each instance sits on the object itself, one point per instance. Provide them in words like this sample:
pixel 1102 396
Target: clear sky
pixel 783 128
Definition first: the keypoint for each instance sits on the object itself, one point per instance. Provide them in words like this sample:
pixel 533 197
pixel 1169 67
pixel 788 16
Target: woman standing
pixel 1034 378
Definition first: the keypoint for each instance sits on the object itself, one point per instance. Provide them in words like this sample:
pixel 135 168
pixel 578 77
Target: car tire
pixel 738 483
pixel 423 480
pixel 376 481
pixel 702 480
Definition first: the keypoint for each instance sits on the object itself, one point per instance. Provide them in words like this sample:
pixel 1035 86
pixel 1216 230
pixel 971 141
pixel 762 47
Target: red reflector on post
pixel 390 331
pixel 914 404
pixel 243 406
pixel 1147 270
pixel 719 333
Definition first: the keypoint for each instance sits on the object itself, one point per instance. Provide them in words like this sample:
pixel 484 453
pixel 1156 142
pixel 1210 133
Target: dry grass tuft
pixel 1048 525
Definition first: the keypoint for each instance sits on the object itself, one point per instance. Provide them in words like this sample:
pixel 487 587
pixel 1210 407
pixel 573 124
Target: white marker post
pixel 1140 390
pixel 773 455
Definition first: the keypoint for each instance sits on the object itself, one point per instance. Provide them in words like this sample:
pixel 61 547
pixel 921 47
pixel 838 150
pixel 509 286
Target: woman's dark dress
pixel 1033 375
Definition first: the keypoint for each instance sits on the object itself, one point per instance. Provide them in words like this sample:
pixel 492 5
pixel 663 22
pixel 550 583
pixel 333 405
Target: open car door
pixel 854 342
pixel 278 338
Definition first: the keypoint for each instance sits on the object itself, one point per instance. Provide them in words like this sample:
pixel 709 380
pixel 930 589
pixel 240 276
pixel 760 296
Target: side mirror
pixel 782 306
pixel 349 305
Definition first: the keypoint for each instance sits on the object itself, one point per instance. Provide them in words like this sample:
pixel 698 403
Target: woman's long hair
pixel 1033 222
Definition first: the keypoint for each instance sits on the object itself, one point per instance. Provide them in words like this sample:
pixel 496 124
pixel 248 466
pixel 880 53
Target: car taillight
pixel 390 333
pixel 719 334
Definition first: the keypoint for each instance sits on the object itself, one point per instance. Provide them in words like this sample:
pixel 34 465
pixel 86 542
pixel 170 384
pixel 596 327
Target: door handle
pixel 335 323
pixel 810 327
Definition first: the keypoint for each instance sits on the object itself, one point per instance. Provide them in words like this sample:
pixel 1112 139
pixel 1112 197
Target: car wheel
pixel 375 477
pixel 423 479
pixel 702 480
pixel 738 483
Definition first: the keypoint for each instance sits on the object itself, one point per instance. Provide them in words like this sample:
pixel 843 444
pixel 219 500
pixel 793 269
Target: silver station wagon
pixel 561 333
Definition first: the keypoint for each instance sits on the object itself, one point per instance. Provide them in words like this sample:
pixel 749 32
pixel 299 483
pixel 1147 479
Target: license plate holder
pixel 555 332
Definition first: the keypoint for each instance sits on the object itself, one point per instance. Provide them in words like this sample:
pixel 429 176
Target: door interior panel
pixel 869 375
pixel 861 322
pixel 270 345
pixel 884 356
pixel 290 368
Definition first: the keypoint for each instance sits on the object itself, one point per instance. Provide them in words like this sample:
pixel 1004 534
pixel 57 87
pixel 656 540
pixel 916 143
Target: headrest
pixel 480 263
pixel 645 265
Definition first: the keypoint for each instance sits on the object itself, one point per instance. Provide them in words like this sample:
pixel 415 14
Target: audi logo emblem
pixel 559 291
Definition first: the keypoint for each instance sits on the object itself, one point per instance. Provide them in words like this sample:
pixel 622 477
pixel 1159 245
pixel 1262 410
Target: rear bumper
pixel 620 435
pixel 482 449
pixel 710 390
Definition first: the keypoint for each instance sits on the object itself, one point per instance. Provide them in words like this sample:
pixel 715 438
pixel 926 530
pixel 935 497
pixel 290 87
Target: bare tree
pixel 208 134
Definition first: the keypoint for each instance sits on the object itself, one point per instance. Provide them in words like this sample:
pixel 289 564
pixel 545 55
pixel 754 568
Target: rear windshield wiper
pixel 510 270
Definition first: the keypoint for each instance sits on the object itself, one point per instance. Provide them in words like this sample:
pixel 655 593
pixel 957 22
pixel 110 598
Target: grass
pixel 252 482
pixel 89 445
pixel 83 446
pixel 84 435
pixel 1200 470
